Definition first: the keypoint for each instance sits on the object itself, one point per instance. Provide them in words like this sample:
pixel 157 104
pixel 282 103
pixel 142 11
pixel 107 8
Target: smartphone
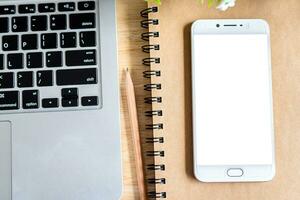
pixel 233 130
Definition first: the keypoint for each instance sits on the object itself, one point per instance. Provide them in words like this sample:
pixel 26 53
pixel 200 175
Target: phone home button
pixel 235 172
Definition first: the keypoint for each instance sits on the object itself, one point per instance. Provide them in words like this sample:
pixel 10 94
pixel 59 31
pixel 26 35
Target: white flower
pixel 225 4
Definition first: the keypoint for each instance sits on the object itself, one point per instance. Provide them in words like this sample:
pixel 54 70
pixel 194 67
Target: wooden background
pixel 130 56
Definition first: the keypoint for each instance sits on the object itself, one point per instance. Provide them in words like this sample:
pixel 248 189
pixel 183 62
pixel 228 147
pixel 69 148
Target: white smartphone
pixel 232 101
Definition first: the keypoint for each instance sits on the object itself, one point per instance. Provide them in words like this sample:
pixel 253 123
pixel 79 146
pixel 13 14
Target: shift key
pixel 76 77
pixel 9 100
pixel 81 58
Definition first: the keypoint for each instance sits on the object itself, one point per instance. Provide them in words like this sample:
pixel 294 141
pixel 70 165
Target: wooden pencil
pixel 133 117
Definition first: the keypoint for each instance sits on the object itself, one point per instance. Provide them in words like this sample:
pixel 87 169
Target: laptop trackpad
pixel 5 160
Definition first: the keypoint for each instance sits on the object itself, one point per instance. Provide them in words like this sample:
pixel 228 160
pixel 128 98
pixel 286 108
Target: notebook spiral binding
pixel 147 62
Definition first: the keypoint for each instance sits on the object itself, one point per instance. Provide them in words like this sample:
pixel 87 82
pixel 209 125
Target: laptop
pixel 59 101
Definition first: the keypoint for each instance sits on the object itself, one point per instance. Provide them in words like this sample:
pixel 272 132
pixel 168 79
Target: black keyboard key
pixel 34 60
pixel 69 102
pixel 87 39
pixel 82 21
pixel 86 5
pixel 54 59
pixel 89 101
pixel 49 41
pixel 67 6
pixel 1 61
pixel 15 61
pixel 46 7
pixel 44 78
pixel 81 57
pixel 58 22
pixel 10 43
pixel 50 103
pixel 6 80
pixel 7 10
pixel 71 93
pixel 3 25
pixel 30 99
pixel 39 23
pixel 19 24
pixel 9 100
pixel 29 42
pixel 68 40
pixel 25 79
pixel 76 76
pixel 29 8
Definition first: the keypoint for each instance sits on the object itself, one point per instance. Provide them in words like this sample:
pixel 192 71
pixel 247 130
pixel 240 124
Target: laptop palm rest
pixel 5 161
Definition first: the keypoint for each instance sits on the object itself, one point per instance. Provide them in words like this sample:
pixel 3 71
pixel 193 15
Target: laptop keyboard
pixel 49 58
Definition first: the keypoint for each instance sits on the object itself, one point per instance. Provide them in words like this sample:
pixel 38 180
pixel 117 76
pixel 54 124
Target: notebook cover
pixel 175 18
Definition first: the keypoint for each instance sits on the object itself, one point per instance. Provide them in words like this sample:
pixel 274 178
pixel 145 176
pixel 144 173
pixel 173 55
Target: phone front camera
pixel 218 25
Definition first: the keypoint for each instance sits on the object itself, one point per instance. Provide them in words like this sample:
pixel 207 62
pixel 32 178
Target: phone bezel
pixel 218 173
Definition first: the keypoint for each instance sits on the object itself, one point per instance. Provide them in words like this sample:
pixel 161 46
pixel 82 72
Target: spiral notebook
pixel 167 64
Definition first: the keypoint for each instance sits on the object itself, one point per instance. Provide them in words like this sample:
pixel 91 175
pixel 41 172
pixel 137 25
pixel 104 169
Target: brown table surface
pixel 130 56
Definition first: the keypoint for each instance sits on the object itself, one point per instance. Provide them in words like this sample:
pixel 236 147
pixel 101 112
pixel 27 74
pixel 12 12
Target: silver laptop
pixel 59 101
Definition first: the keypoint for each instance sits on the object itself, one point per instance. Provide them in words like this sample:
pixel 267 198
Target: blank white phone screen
pixel 233 99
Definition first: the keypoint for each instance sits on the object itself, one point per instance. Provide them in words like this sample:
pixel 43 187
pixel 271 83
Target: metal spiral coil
pixel 155 153
pixel 155 140
pixel 153 113
pixel 150 87
pixel 148 62
pixel 149 22
pixel 154 126
pixel 156 181
pixel 151 100
pixel 156 167
pixel 146 36
pixel 149 74
pixel 145 13
pixel 157 195
pixel 149 47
